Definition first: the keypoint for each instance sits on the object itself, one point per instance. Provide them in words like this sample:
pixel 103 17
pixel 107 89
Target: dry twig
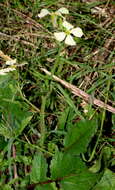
pixel 78 92
pixel 5 57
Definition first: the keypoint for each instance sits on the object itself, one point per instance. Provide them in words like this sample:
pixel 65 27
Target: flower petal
pixel 11 62
pixel 6 70
pixel 43 13
pixel 63 10
pixel 77 32
pixel 60 36
pixel 70 41
pixel 67 25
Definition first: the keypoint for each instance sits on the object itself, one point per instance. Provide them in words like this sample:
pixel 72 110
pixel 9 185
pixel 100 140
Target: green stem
pixel 9 157
pixel 57 59
pixel 42 121
pixel 27 101
pixel 33 146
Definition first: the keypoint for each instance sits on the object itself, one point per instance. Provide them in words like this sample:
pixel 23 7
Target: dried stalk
pixel 5 57
pixel 78 92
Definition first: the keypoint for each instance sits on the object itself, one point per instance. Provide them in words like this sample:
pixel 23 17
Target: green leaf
pixel 46 187
pixel 24 123
pixel 72 173
pixel 39 169
pixel 63 118
pixel 5 131
pixel 15 114
pixel 16 119
pixel 107 182
pixel 66 117
pixel 7 187
pixel 8 87
pixel 64 164
pixel 82 181
pixel 79 136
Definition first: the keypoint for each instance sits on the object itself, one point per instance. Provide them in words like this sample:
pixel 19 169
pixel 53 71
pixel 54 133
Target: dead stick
pixel 5 57
pixel 80 93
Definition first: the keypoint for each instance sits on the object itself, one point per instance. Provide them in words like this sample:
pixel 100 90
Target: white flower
pixel 43 13
pixel 6 70
pixel 67 25
pixel 59 12
pixel 11 62
pixel 63 10
pixel 60 36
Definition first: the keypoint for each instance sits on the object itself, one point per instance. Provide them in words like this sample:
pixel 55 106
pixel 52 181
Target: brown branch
pixel 78 92
pixel 32 186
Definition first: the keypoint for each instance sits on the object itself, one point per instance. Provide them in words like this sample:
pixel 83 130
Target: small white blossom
pixel 70 41
pixel 6 70
pixel 60 36
pixel 77 32
pixel 43 13
pixel 67 25
pixel 63 10
pixel 11 62
pixel 59 12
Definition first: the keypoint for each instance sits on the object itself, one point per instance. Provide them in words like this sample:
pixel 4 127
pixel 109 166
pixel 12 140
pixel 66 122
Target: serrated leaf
pixel 107 182
pixel 64 164
pixel 79 136
pixel 39 169
pixel 82 181
pixel 72 173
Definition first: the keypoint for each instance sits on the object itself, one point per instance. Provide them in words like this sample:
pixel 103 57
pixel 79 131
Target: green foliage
pixel 46 186
pixel 67 167
pixel 6 187
pixel 39 173
pixel 65 164
pixel 48 139
pixel 39 169
pixel 79 136
pixel 107 182
pixel 16 115
pixel 82 181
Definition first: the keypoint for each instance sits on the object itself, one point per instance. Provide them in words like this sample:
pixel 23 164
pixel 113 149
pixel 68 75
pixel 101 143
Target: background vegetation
pixel 51 139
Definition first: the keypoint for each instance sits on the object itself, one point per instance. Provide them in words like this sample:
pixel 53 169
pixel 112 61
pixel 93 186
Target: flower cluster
pixel 67 36
pixel 69 32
